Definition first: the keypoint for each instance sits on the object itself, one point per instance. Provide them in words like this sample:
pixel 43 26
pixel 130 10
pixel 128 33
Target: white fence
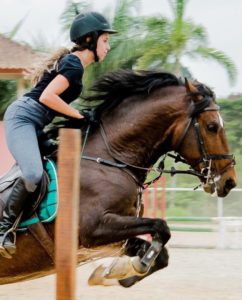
pixel 225 231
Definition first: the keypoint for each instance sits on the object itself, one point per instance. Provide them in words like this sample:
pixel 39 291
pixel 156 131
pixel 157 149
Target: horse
pixel 142 116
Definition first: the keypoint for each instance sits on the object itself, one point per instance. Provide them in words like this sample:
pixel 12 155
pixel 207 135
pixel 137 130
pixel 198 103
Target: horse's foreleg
pixel 118 228
pixel 114 228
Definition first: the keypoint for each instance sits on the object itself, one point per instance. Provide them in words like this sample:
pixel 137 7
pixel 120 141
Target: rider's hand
pixel 78 115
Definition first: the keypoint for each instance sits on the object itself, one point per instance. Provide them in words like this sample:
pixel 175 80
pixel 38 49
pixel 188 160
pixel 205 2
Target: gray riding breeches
pixel 23 118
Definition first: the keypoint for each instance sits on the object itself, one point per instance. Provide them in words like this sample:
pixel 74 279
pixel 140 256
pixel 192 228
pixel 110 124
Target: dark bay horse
pixel 143 116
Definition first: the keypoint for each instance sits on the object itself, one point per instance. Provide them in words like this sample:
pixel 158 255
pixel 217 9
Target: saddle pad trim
pixel 52 217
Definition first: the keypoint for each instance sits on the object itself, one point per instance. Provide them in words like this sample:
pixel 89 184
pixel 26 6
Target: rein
pixel 123 165
pixel 116 163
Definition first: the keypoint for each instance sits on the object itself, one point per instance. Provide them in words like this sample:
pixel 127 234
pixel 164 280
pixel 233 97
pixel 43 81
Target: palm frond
pixel 16 27
pixel 221 58
pixel 70 13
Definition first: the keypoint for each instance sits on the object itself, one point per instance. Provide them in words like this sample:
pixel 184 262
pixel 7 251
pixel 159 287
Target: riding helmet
pixel 89 23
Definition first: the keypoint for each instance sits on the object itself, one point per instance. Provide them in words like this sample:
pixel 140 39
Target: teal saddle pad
pixel 47 209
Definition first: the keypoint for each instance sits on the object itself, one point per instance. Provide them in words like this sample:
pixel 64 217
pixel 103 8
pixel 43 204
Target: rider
pixel 57 83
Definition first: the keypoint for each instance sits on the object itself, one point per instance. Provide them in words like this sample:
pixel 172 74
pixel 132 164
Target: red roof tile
pixel 16 56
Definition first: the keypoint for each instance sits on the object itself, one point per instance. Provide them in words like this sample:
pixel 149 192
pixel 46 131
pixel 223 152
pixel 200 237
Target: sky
pixel 222 20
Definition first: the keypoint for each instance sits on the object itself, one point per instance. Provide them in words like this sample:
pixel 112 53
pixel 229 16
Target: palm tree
pixel 168 41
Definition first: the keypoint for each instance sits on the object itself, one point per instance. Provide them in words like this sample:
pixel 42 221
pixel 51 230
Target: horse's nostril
pixel 230 184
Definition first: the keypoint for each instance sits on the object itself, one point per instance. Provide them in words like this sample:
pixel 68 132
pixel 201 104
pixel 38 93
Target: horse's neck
pixel 142 132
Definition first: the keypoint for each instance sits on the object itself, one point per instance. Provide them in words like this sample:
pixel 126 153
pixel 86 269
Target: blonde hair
pixel 51 63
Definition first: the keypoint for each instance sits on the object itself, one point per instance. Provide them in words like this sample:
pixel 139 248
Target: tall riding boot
pixel 14 206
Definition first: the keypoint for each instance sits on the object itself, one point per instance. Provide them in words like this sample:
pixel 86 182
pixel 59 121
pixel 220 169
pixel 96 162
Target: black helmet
pixel 88 23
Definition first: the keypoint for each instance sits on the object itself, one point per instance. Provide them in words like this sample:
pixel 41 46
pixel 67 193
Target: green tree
pixel 169 40
pixel 231 111
pixel 8 88
pixel 7 94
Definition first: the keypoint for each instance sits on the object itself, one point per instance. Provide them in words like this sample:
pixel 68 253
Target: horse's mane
pixel 114 87
pixel 208 96
pixel 203 89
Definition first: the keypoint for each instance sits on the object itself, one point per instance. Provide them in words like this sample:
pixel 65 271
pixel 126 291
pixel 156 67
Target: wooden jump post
pixel 66 241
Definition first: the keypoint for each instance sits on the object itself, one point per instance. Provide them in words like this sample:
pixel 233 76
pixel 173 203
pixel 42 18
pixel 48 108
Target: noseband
pixel 206 159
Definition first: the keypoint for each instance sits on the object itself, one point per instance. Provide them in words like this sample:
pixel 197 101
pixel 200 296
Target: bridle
pixel 207 174
pixel 206 159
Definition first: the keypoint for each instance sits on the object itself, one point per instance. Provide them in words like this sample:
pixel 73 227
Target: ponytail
pixel 50 64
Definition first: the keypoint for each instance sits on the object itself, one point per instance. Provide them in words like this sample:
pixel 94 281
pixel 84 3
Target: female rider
pixel 58 83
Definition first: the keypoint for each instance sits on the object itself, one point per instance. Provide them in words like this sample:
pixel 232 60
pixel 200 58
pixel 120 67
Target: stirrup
pixel 3 251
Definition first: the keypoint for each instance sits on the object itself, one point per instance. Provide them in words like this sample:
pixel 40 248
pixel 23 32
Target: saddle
pixel 6 184
pixel 47 147
pixel 42 204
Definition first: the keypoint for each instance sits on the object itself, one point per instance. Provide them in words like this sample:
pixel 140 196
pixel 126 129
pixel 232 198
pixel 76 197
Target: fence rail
pixel 228 229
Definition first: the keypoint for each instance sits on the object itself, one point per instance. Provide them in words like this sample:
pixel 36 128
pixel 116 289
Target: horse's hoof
pixel 123 267
pixel 97 278
pixel 120 268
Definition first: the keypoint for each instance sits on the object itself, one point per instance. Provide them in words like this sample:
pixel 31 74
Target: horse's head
pixel 203 142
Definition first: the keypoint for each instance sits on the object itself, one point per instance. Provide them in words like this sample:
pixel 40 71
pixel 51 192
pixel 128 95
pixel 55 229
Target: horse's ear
pixel 189 87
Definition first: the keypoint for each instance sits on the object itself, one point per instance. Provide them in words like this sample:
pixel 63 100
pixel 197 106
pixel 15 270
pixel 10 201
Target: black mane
pixel 114 87
pixel 208 97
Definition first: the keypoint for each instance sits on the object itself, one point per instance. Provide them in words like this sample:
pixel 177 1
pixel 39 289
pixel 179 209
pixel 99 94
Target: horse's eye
pixel 212 127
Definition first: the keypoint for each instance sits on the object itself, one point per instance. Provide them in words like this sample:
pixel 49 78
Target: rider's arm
pixel 50 97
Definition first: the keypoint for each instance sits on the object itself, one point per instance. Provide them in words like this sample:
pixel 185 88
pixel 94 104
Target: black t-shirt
pixel 71 68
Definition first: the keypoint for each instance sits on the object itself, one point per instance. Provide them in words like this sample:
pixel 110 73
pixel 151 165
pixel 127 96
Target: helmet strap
pixel 93 45
pixel 95 55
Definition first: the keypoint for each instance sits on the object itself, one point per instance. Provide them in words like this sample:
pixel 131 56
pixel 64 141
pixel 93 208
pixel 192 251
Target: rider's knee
pixel 32 179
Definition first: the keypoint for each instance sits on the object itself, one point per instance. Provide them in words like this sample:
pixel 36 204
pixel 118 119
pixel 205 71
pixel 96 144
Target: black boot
pixel 14 206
